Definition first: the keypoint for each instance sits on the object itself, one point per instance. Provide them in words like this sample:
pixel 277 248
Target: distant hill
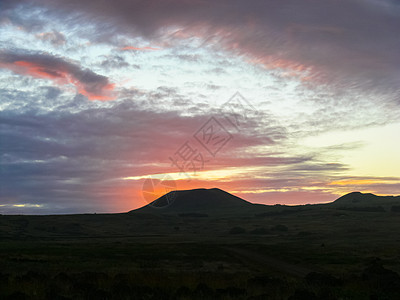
pixel 200 206
pixel 366 202
pixel 198 200
pixel 216 201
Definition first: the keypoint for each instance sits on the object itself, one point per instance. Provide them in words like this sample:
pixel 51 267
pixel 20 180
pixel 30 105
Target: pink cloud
pixel 61 72
pixel 139 48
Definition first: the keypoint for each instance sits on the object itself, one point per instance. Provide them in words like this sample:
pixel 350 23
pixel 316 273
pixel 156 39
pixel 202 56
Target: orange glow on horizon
pixel 355 182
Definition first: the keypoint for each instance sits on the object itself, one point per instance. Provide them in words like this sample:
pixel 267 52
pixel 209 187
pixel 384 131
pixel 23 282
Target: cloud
pixel 115 62
pixel 60 71
pixel 320 42
pixel 73 158
pixel 29 22
pixel 54 37
pixel 126 48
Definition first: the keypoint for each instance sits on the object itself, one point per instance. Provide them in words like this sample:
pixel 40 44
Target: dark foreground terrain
pixel 349 249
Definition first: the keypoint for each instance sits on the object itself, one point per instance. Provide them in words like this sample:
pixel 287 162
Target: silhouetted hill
pixel 205 245
pixel 216 201
pixel 198 200
pixel 366 202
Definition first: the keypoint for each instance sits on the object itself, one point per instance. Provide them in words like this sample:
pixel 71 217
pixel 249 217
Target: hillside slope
pixel 198 200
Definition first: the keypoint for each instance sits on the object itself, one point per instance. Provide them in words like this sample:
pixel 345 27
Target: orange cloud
pixel 87 83
pixel 289 68
pixel 105 94
pixel 38 71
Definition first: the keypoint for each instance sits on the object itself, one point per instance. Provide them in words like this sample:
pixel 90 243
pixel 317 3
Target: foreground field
pixel 304 252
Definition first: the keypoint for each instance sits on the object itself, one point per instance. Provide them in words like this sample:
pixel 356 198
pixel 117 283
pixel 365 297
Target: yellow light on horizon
pixel 378 157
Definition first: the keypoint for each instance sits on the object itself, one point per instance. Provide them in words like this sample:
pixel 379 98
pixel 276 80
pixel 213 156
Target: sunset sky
pixel 289 101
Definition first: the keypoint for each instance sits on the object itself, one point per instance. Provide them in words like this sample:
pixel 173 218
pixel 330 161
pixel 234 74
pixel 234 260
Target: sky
pixel 105 105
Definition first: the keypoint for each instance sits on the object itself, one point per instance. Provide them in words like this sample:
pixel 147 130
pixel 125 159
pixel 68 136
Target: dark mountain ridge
pixel 197 200
pixel 217 201
pixel 366 201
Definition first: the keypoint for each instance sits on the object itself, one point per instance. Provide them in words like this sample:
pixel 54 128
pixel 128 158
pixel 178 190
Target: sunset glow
pixel 273 102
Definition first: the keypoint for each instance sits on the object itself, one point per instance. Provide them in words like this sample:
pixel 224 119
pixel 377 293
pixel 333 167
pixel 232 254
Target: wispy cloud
pixel 60 71
pixel 332 48
pixel 126 48
pixel 54 37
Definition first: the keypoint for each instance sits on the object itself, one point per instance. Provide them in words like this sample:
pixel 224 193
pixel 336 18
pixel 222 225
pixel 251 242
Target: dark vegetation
pixel 241 251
